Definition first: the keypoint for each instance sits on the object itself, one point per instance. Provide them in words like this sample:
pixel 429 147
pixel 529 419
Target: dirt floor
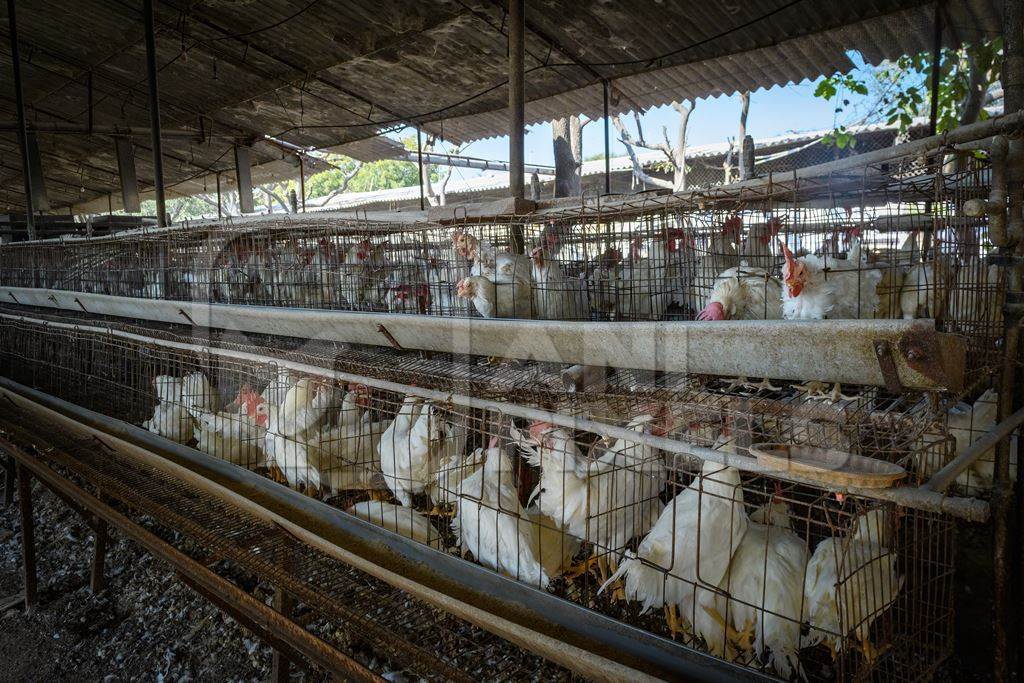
pixel 145 626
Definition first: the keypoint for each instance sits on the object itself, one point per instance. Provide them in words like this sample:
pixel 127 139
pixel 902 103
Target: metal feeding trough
pixel 828 466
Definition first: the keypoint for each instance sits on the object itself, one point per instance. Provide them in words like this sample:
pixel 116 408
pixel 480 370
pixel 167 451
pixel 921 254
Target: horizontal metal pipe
pixel 941 480
pixel 58 127
pixel 916 498
pixel 562 631
pixel 310 646
pixel 842 351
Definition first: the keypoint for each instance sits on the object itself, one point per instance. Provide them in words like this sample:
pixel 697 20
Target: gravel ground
pixel 145 626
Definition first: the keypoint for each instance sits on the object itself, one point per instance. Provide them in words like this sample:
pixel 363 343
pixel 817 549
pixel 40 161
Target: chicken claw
pixel 672 619
pixel 581 568
pixel 764 384
pixel 870 652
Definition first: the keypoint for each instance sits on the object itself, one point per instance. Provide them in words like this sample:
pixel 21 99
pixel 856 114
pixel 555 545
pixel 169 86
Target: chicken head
pixel 794 273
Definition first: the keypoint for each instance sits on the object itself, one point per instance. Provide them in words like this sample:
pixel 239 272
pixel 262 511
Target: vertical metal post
pixel 217 176
pixel 89 96
pixel 284 603
pixel 302 182
pixel 28 537
pixel 1005 580
pixel 10 474
pixel 933 116
pixel 99 557
pixel 419 163
pixel 19 103
pixel 607 140
pixel 154 114
pixel 517 110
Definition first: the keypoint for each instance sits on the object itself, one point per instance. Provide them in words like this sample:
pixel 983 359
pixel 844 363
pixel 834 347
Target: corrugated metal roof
pixel 334 72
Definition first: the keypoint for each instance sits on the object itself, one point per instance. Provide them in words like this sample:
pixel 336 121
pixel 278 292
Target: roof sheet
pixel 325 73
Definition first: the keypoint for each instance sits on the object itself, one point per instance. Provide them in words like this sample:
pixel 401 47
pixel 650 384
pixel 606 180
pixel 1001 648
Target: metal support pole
pixel 89 96
pixel 10 474
pixel 154 114
pixel 217 176
pixel 284 603
pixel 516 96
pixel 517 110
pixel 607 140
pixel 28 537
pixel 99 557
pixel 19 103
pixel 933 116
pixel 419 164
pixel 1003 504
pixel 302 182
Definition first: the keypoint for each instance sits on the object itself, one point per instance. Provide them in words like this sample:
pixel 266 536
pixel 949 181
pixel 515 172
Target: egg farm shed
pixel 259 385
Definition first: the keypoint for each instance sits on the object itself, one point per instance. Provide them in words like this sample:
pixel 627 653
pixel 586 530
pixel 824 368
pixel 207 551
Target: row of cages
pixel 894 244
pixel 788 578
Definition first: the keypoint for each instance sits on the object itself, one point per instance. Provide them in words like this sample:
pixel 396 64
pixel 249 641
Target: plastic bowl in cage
pixel 828 466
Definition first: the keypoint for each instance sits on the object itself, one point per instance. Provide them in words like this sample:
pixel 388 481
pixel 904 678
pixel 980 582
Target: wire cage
pixel 893 239
pixel 686 549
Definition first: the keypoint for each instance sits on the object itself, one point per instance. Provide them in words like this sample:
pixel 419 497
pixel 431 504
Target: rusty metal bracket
pixel 387 335
pixel 886 361
pixel 923 353
pixel 54 300
pixel 187 317
pixel 80 304
pixel 11 294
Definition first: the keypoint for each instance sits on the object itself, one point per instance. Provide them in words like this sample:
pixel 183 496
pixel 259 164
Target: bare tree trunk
pixel 679 156
pixel 742 135
pixel 567 140
pixel 630 144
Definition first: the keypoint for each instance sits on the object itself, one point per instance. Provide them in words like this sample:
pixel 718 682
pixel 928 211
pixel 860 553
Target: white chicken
pixel 401 520
pixel 685 556
pixel 647 283
pixel 511 300
pixel 405 450
pixel 492 524
pixel 744 293
pixel 828 287
pixel 765 584
pixel 453 468
pixel 278 387
pixel 196 392
pixel 605 501
pixel 498 267
pixel 556 297
pixel 850 582
pixel 233 434
pixel 720 255
pixel 171 421
pixel 288 429
pixel 347 455
pixel 968 423
pixel 921 294
pixel 168 388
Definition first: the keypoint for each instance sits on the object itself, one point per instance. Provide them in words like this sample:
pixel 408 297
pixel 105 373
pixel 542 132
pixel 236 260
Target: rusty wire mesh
pixel 568 510
pixel 347 606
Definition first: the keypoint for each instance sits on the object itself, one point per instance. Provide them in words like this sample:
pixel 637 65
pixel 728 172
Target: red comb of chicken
pixel 538 428
pixel 713 311
pixel 733 224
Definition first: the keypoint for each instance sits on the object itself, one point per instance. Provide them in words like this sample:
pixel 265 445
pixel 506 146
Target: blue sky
pixel 772 112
